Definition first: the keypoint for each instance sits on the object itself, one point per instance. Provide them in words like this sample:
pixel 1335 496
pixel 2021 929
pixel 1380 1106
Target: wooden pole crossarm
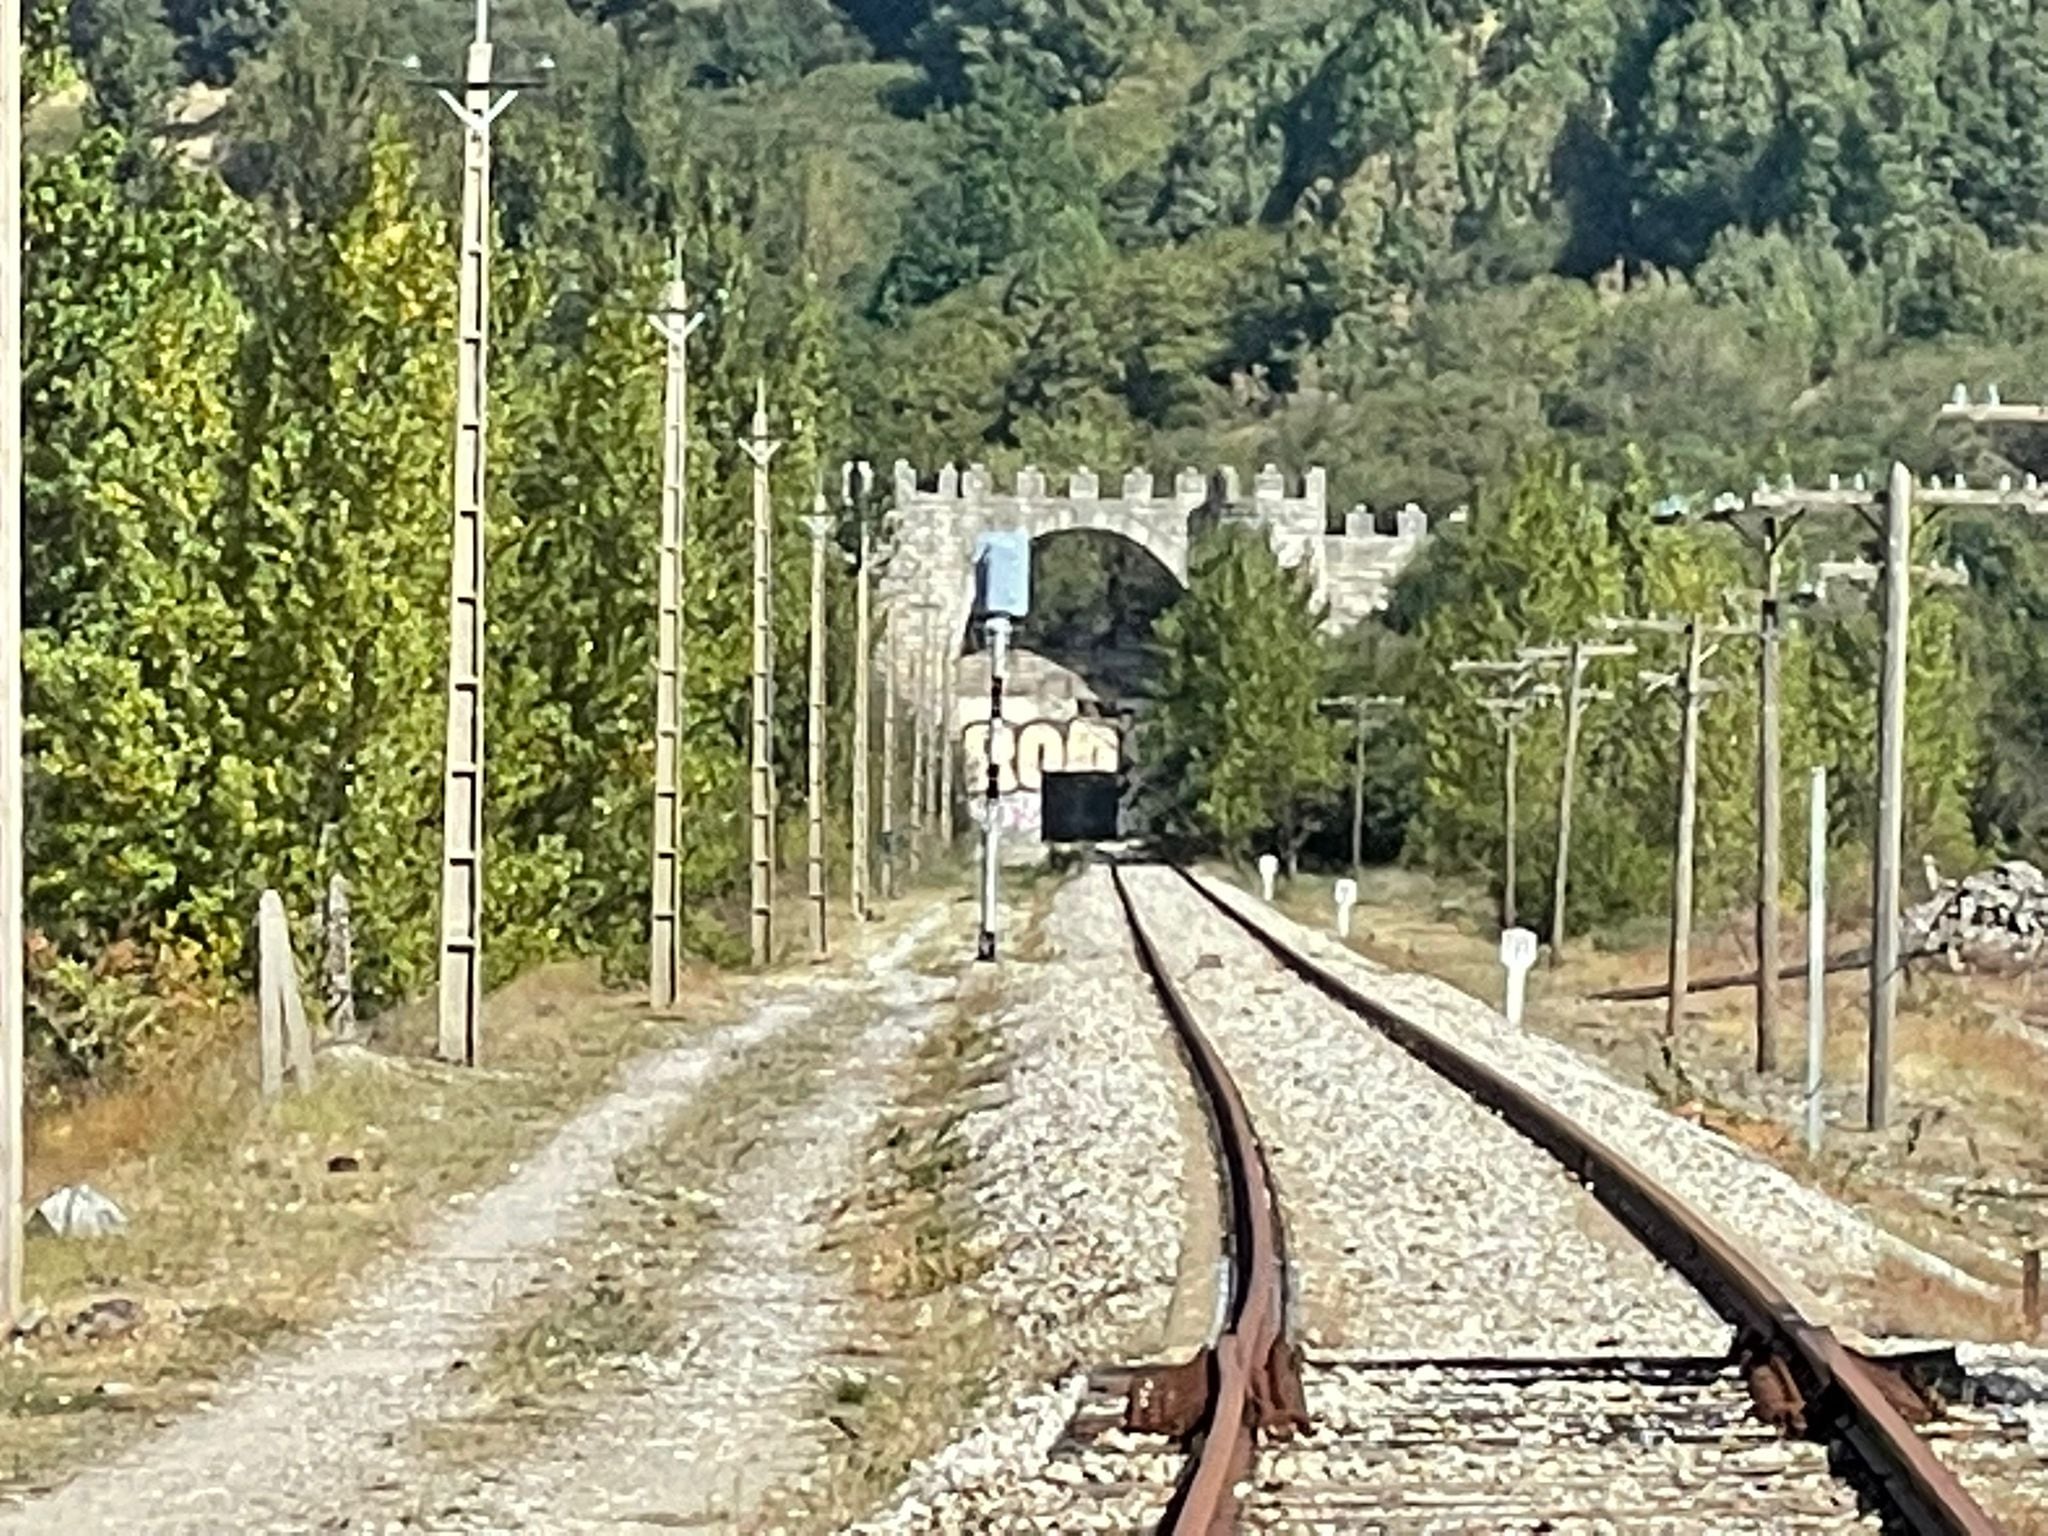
pixel 1992 410
pixel 1866 573
pixel 2007 495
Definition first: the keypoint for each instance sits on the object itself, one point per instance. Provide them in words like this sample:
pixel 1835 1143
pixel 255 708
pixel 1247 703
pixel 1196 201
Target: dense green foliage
pixel 1549 258
pixel 1240 735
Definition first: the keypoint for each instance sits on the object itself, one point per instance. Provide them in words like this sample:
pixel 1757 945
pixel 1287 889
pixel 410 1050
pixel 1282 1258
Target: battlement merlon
pixel 974 490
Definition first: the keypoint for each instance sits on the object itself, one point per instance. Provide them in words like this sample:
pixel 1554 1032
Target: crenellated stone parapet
pixel 937 519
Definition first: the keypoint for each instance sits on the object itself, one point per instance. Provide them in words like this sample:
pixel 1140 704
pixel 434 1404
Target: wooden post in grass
pixel 1816 954
pixel 284 1043
pixel 338 964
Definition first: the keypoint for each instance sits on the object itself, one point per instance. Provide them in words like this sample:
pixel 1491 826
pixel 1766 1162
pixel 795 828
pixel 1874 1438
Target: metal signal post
pixel 991 827
pixel 1002 582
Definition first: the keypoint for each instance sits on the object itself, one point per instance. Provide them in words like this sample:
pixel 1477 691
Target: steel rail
pixel 1253 1374
pixel 1802 1375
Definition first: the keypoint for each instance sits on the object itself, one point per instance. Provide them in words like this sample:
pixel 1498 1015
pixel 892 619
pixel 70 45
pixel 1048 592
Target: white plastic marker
pixel 1517 955
pixel 1269 871
pixel 1347 898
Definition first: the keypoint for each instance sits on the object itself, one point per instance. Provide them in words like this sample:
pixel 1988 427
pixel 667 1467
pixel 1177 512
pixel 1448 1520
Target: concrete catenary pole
pixel 890 752
pixel 820 528
pixel 1891 794
pixel 676 325
pixel 761 450
pixel 13 1149
pixel 863 687
pixel 462 819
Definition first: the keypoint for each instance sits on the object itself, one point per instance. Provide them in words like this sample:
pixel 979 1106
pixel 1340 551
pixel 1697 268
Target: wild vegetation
pixel 1551 258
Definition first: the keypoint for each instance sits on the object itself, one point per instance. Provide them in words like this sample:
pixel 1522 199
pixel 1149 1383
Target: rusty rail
pixel 1249 1381
pixel 1802 1377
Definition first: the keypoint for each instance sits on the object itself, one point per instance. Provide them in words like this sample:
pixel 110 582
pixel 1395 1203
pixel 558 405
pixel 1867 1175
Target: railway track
pixel 1785 1430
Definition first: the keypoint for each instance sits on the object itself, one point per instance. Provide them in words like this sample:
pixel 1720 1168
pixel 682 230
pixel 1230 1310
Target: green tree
pixel 343 561
pixel 1010 174
pixel 143 786
pixel 1239 733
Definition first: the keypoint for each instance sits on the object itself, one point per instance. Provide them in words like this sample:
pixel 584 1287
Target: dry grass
pixel 908 1242
pixel 239 1232
pixel 1964 1172
pixel 1904 1301
pixel 612 1298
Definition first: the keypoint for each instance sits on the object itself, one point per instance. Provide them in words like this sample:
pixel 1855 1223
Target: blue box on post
pixel 1002 575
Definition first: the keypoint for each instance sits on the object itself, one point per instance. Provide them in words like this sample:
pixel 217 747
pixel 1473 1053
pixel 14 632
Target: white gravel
pixel 701 1436
pixel 310 1434
pixel 1813 1241
pixel 1430 1449
pixel 1419 1224
pixel 1080 1199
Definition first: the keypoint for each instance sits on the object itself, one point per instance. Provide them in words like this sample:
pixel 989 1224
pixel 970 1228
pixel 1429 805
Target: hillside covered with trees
pixel 1551 258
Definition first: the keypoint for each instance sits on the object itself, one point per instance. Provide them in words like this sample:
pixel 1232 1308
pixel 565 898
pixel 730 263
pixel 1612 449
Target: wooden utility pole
pixel 761 449
pixel 863 685
pixel 13 1149
pixel 1891 791
pixel 1890 514
pixel 462 797
pixel 1816 953
pixel 1575 657
pixel 1509 706
pixel 820 526
pixel 889 755
pixel 1767 522
pixel 338 964
pixel 1770 801
pixel 284 1042
pixel 1360 707
pixel 1688 817
pixel 1693 690
pixel 676 325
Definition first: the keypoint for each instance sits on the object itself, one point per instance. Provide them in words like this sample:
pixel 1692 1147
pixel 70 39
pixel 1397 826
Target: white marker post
pixel 1347 898
pixel 1517 956
pixel 1269 871
pixel 1816 954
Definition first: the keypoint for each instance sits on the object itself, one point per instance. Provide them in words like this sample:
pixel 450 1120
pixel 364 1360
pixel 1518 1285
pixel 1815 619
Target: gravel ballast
pixel 1082 1199
pixel 1418 1222
pixel 1814 1242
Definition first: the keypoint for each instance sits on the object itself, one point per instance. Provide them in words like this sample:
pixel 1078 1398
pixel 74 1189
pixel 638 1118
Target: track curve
pixel 1801 1376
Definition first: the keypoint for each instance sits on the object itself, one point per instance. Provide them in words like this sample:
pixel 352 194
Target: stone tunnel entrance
pixel 1081 671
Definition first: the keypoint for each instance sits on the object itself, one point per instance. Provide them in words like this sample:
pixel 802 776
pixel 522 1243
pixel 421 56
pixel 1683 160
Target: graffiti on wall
pixel 1025 754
